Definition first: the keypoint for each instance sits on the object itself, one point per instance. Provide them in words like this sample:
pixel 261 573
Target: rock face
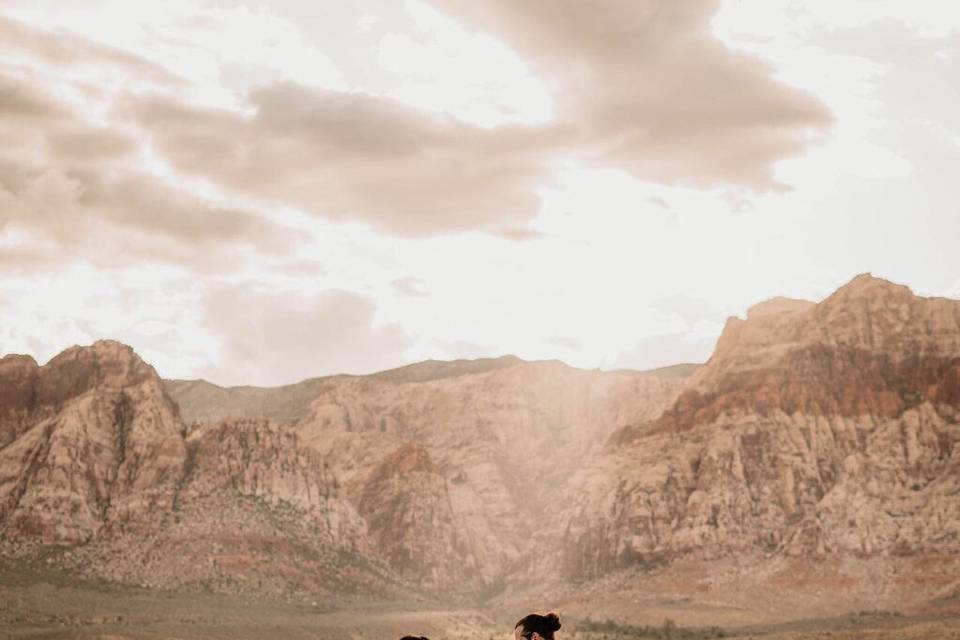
pixel 814 431
pixel 254 510
pixel 91 439
pixel 201 401
pixel 407 507
pixel 455 474
pixel 817 433
pixel 433 477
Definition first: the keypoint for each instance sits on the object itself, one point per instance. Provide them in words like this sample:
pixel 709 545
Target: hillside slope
pixel 818 446
pixel 432 477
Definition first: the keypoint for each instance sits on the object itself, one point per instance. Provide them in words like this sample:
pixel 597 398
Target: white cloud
pixel 150 308
pixel 928 18
pixel 779 32
pixel 588 288
pixel 270 336
pixel 222 52
pixel 442 66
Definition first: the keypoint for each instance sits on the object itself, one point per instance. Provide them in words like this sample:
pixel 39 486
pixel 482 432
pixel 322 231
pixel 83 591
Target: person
pixel 414 638
pixel 537 627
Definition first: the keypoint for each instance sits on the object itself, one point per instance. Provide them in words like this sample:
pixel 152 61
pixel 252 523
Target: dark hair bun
pixel 536 623
pixel 552 621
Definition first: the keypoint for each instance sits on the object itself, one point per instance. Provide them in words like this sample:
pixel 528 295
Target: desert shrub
pixel 668 630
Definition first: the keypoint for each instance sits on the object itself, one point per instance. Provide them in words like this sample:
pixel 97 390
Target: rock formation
pixel 815 431
pixel 91 439
pixel 432 477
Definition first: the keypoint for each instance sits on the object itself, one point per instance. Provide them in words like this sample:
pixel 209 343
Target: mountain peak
pixel 866 284
pixel 867 314
pixel 18 360
pixel 105 363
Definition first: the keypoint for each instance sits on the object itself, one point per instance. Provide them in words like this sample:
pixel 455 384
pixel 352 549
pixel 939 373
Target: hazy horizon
pixel 491 356
pixel 369 373
pixel 257 193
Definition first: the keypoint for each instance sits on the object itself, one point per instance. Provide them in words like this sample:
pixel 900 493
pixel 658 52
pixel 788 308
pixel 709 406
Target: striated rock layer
pixel 815 453
pixel 429 477
pixel 91 438
pixel 815 431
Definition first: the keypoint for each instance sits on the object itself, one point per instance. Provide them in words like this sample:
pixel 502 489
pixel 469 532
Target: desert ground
pixel 38 602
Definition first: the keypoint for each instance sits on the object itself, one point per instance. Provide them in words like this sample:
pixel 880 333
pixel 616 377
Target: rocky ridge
pixel 818 435
pixel 91 438
pixel 815 431
pixel 426 477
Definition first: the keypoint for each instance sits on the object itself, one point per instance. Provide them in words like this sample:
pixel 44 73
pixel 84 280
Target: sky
pixel 261 192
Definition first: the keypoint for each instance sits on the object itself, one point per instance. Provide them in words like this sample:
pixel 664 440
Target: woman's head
pixel 537 627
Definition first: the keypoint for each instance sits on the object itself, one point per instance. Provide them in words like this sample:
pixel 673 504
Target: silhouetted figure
pixel 414 638
pixel 537 627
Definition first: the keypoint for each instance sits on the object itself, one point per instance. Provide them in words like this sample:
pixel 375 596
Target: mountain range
pixel 809 467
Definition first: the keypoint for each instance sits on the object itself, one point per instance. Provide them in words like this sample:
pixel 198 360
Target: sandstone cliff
pixel 432 477
pixel 495 448
pixel 815 450
pixel 815 431
pixel 91 439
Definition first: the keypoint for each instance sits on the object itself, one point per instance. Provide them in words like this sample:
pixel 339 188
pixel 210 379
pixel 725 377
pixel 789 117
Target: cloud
pixel 25 259
pixel 63 49
pixel 22 102
pixel 409 286
pixel 82 186
pixel 151 308
pixel 689 309
pixel 271 336
pixel 644 87
pixel 651 90
pixel 354 156
pixel 664 350
pixel 572 344
pixel 442 65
